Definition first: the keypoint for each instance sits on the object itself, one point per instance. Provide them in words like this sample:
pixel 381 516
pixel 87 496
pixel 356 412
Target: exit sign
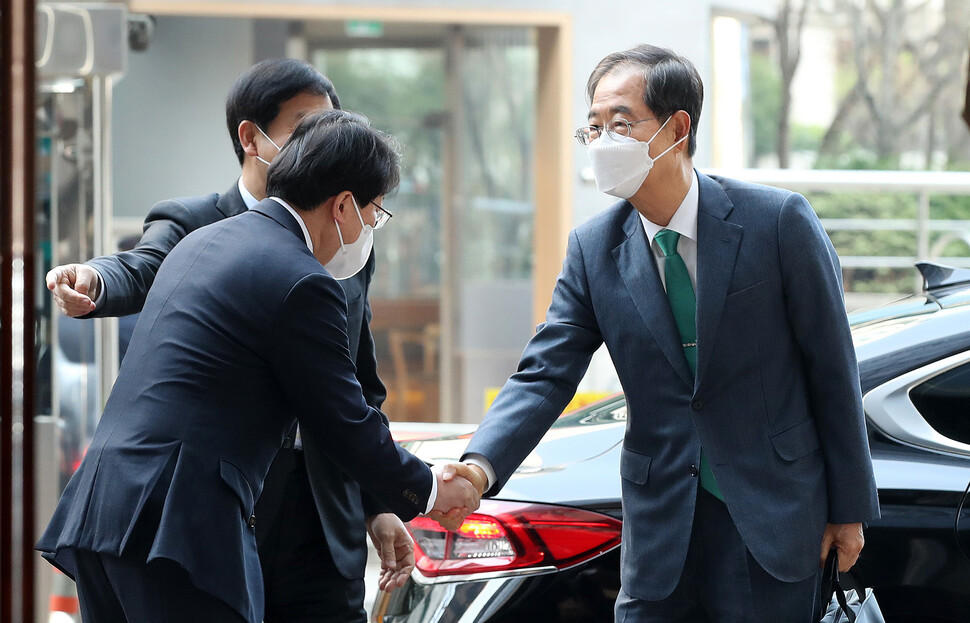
pixel 364 28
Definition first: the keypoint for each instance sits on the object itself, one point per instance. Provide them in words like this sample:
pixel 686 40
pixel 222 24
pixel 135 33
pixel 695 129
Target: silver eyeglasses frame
pixel 616 128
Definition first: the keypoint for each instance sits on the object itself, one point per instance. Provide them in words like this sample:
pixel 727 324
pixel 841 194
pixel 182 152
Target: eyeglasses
pixel 617 128
pixel 383 216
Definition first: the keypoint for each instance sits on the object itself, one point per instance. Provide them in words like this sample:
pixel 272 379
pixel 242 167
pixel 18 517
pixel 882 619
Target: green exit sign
pixel 364 28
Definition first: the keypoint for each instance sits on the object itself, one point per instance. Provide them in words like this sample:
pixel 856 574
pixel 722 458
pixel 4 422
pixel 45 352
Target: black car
pixel 547 548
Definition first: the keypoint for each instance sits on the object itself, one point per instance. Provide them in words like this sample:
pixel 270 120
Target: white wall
pixel 168 124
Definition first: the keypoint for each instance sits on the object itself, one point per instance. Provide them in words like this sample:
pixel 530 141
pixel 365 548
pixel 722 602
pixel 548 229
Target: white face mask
pixel 268 139
pixel 351 258
pixel 621 165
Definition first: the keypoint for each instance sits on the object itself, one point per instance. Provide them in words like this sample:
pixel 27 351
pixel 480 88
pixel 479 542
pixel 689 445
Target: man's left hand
pixel 395 548
pixel 847 538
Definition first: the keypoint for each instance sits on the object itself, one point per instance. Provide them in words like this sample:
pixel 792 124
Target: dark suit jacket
pixel 129 275
pixel 776 402
pixel 243 330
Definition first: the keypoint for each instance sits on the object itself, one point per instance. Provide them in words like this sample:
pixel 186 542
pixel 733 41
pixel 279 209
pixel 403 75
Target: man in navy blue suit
pixel 244 329
pixel 313 565
pixel 745 455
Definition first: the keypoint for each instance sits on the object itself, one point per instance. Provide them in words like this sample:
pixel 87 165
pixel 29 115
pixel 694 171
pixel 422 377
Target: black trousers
pixel 127 590
pixel 722 582
pixel 302 583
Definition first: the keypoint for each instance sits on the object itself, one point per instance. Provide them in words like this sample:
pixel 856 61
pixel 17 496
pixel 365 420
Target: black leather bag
pixel 855 605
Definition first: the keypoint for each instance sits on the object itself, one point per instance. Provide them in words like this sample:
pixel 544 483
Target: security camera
pixel 141 29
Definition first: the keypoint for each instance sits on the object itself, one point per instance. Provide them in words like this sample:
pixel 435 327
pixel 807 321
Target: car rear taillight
pixel 512 536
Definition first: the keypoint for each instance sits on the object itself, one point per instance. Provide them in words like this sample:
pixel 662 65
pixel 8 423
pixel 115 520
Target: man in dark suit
pixel 244 329
pixel 311 574
pixel 745 454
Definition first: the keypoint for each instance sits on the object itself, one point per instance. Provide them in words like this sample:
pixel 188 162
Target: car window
pixel 944 402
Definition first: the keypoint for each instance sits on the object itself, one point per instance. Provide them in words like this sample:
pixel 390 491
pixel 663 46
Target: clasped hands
pixel 460 490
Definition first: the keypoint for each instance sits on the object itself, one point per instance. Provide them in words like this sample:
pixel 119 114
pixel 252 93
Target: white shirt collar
pixel 299 219
pixel 247 196
pixel 684 220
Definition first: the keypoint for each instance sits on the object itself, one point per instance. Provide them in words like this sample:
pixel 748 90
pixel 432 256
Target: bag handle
pixel 831 584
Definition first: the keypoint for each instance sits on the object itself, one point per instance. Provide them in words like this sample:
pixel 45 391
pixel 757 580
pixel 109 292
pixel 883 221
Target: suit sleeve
pixel 128 276
pixel 312 360
pixel 549 371
pixel 815 308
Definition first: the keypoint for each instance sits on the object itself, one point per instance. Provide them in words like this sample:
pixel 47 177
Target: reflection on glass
pixel 462 104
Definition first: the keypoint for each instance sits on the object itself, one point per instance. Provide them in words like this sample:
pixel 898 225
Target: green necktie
pixel 680 293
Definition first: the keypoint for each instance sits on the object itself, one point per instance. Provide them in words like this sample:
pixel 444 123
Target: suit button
pixel 697 405
pixel 693 471
pixel 252 521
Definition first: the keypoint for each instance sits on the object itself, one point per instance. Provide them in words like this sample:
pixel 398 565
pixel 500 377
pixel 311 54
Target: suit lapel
pixel 231 203
pixel 717 251
pixel 639 273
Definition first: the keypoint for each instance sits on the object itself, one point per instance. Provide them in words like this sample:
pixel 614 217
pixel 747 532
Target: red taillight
pixel 507 536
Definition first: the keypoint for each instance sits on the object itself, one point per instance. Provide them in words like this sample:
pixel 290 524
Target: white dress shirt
pixel 247 196
pixel 299 219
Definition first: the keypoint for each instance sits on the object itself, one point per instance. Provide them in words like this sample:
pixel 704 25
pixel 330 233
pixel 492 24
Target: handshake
pixel 460 490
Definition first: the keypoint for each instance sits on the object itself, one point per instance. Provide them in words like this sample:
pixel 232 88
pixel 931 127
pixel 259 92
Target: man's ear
pixel 681 122
pixel 342 205
pixel 247 137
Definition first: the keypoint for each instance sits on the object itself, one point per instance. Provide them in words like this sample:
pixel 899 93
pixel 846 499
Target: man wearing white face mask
pixel 745 456
pixel 313 564
pixel 243 331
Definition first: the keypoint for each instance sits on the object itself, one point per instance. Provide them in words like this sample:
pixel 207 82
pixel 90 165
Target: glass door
pixel 452 292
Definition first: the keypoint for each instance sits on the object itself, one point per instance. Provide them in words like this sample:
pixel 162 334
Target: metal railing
pixel 922 184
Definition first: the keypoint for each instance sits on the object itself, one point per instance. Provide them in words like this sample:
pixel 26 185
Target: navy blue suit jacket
pixel 129 275
pixel 242 331
pixel 775 404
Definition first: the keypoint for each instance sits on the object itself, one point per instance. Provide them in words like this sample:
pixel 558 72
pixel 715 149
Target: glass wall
pixel 457 255
pixel 68 225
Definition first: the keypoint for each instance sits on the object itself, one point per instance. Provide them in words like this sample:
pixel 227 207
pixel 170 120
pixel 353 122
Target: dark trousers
pixel 302 583
pixel 127 590
pixel 722 582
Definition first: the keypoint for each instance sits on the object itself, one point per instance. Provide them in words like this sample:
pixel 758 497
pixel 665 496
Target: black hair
pixel 260 91
pixel 330 152
pixel 670 83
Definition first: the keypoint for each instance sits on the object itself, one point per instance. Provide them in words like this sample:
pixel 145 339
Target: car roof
pixel 915 330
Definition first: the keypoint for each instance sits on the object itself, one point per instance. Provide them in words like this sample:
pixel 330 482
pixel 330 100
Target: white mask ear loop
pixel 343 249
pixel 359 215
pixel 659 130
pixel 341 236
pixel 272 142
pixel 679 141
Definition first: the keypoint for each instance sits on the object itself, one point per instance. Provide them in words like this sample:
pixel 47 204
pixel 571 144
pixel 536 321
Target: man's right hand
pixel 457 498
pixel 75 288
